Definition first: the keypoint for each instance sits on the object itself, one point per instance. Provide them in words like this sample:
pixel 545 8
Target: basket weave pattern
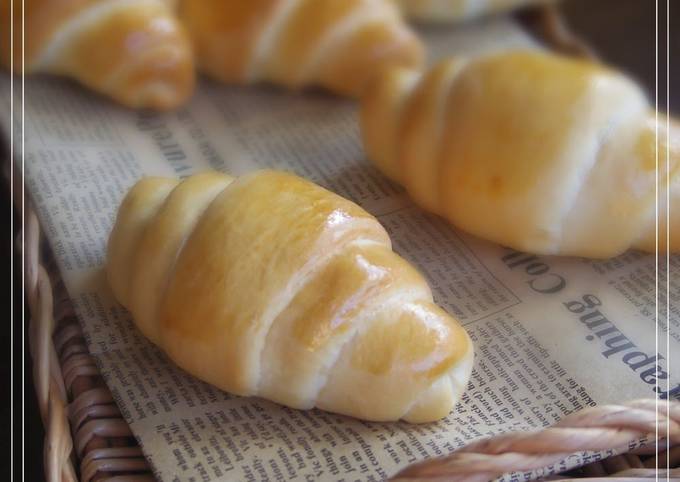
pixel 591 429
pixel 83 426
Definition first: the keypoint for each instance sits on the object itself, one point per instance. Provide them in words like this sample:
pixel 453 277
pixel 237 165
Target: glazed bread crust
pixel 336 44
pixel 133 51
pixel 141 52
pixel 269 285
pixel 534 151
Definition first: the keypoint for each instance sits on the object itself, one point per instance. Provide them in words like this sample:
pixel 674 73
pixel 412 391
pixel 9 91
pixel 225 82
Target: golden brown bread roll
pixel 337 44
pixel 133 51
pixel 269 285
pixel 458 10
pixel 534 151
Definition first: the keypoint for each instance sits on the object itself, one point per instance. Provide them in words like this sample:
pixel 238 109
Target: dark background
pixel 621 31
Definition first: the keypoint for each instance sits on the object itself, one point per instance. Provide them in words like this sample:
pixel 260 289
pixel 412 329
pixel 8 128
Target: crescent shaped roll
pixel 336 44
pixel 538 152
pixel 133 51
pixel 269 285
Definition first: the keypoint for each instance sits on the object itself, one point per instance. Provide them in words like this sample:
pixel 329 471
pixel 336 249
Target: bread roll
pixel 132 51
pixel 269 285
pixel 336 44
pixel 534 151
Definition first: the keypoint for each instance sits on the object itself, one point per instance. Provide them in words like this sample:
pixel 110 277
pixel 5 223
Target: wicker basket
pixel 87 439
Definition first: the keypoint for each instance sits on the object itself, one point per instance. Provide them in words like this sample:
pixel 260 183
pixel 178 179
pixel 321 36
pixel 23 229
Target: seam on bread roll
pixel 392 299
pixel 444 94
pixel 341 33
pixel 615 135
pixel 435 136
pixel 269 38
pixel 169 270
pixel 71 28
pixel 306 274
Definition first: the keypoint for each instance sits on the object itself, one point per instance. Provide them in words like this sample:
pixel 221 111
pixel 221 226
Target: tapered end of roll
pixel 437 402
pixel 381 107
pixel 137 209
pixel 667 152
pixel 137 54
pixel 164 81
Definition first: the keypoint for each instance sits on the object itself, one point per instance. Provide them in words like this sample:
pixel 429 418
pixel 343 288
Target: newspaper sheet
pixel 552 335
